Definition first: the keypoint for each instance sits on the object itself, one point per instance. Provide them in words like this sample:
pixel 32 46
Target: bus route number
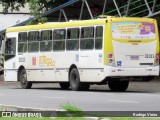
pixel 149 55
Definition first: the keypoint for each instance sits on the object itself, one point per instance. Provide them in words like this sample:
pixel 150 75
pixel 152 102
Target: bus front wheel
pixel 75 83
pixel 23 80
pixel 117 85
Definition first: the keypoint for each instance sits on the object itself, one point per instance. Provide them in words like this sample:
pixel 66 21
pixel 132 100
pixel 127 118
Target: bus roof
pixel 75 23
pixel 56 25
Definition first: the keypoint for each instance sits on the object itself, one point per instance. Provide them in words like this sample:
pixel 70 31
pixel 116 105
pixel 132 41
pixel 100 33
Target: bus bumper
pixel 115 71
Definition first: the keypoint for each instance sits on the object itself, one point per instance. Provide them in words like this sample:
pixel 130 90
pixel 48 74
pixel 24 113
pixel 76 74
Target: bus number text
pixel 149 55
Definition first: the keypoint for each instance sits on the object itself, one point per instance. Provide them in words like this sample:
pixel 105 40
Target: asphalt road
pixel 140 96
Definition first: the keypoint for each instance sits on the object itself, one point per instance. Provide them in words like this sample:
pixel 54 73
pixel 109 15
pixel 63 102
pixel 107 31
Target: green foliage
pixel 70 108
pixel 11 5
pixel 70 111
pixel 132 118
pixel 29 118
pixel 36 7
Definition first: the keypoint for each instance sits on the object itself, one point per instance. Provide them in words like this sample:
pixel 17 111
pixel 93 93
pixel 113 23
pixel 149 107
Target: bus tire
pixel 74 80
pixel 64 85
pixel 117 85
pixel 23 80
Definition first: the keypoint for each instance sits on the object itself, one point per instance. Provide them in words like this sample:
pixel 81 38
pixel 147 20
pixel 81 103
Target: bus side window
pixel 87 38
pixel 46 40
pixel 33 41
pixel 99 37
pixel 10 46
pixel 22 42
pixel 59 36
pixel 72 42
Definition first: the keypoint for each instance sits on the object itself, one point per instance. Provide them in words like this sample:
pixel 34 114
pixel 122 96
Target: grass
pixel 7 118
pixel 70 108
pixel 132 118
pixel 71 112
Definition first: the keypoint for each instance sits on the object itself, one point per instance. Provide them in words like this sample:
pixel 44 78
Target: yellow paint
pixel 56 25
pixel 44 60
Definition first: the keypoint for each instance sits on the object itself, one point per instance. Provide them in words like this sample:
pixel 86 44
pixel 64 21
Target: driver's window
pixel 11 46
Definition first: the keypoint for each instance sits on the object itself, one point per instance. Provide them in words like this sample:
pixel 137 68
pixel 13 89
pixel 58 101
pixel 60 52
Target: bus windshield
pixel 133 30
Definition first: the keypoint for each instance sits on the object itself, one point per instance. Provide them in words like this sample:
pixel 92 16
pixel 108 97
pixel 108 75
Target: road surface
pixel 140 96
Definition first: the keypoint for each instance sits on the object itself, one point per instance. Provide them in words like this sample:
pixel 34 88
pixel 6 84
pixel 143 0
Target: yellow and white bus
pixel 77 54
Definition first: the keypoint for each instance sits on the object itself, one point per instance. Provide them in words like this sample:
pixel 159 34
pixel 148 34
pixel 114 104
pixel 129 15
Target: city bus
pixel 77 54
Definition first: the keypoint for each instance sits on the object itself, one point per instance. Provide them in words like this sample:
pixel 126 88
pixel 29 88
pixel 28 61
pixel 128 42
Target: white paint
pixel 123 53
pixel 148 95
pixel 54 97
pixel 120 101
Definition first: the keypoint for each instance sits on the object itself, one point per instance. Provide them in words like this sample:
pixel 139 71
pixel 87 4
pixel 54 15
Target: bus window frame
pixel 37 41
pixel 19 42
pixel 93 38
pixel 59 40
pixel 51 30
pixel 102 37
pixel 10 56
pixel 77 47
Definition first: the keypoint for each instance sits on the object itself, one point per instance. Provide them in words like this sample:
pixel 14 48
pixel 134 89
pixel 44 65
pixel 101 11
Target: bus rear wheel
pixel 64 85
pixel 23 80
pixel 117 85
pixel 75 83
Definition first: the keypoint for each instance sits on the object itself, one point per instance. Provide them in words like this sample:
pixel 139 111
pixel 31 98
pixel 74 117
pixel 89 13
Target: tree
pixel 36 7
pixel 11 5
pixel 16 4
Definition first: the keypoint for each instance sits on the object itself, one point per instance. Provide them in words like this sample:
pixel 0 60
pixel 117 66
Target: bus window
pixel 87 38
pixel 33 41
pixel 22 42
pixel 72 42
pixel 59 39
pixel 46 40
pixel 99 37
pixel 10 49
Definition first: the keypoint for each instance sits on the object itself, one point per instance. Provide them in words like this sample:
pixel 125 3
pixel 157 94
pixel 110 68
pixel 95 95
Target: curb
pixel 27 111
pixel 53 112
pixel 19 108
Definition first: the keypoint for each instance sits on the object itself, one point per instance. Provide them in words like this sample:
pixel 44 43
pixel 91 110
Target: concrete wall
pixel 13 17
pixel 9 20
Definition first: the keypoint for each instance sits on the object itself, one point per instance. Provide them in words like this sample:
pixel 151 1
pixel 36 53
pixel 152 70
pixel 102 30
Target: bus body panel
pixel 131 72
pixel 130 55
pixel 135 52
pixel 91 66
pixel 10 66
